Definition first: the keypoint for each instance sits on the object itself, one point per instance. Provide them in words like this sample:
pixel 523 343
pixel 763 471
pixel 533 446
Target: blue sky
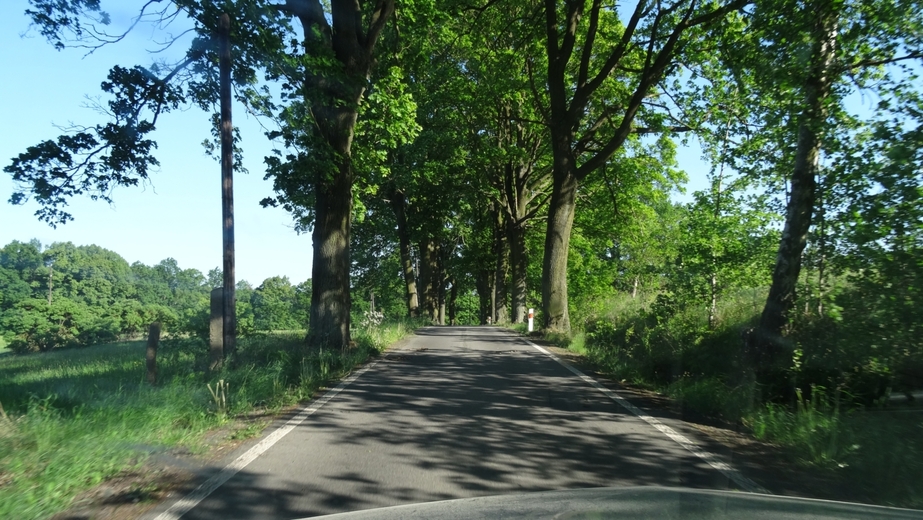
pixel 179 213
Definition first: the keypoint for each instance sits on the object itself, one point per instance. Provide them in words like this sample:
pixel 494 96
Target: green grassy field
pixel 74 418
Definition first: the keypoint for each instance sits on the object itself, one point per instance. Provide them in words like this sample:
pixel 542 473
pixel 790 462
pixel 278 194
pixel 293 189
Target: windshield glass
pixel 288 259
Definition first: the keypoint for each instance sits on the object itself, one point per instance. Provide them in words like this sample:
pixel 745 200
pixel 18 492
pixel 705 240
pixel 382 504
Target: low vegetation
pixel 847 416
pixel 76 417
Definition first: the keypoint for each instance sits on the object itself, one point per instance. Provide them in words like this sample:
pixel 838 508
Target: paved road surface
pixel 456 412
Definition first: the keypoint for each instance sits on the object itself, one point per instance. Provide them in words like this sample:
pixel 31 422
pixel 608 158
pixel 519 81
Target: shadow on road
pixel 450 416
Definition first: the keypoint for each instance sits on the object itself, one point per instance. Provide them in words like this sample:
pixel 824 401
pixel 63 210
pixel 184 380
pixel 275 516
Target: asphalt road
pixel 455 412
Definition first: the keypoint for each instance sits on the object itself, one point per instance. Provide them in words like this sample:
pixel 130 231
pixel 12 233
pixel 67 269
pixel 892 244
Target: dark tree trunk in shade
pixel 398 203
pixel 484 289
pixel 229 298
pixel 502 260
pixel 774 318
pixel 518 266
pixel 440 281
pixel 453 299
pixel 429 272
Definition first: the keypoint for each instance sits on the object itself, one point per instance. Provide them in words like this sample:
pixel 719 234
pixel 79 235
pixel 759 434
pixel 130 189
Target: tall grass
pixel 667 345
pixel 879 452
pixel 75 418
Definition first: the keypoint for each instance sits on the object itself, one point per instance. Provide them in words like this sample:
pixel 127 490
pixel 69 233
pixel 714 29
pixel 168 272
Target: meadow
pixel 73 418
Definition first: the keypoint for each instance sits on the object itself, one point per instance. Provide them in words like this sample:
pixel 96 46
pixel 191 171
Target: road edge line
pixel 200 493
pixel 710 458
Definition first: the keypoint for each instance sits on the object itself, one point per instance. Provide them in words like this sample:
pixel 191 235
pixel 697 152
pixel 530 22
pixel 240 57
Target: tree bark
pixel 782 293
pixel 330 298
pixel 398 203
pixel 501 255
pixel 518 267
pixel 442 303
pixel 429 270
pixel 483 286
pixel 557 242
pixel 453 307
pixel 570 96
pixel 334 98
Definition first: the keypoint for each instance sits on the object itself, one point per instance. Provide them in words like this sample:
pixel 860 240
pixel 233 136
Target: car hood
pixel 631 502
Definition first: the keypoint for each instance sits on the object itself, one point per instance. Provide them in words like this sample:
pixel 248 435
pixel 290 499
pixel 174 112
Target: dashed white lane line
pixel 710 458
pixel 199 494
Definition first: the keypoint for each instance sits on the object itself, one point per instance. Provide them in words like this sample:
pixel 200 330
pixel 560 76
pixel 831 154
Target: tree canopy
pixel 466 161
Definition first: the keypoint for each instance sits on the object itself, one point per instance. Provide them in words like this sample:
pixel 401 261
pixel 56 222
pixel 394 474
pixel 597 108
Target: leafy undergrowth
pixel 880 452
pixel 75 418
pixel 852 433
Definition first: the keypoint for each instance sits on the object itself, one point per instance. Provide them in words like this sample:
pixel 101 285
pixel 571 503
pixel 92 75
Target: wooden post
pixel 229 324
pixel 153 339
pixel 216 330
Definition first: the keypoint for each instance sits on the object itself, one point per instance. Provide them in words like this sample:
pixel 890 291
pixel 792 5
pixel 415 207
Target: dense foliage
pixel 65 295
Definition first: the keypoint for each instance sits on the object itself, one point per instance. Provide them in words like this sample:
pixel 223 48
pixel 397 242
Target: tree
pixel 595 91
pixel 273 303
pixel 324 78
pixel 799 64
pixel 332 84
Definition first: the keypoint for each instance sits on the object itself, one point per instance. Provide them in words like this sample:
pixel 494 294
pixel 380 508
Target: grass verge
pixel 876 451
pixel 75 418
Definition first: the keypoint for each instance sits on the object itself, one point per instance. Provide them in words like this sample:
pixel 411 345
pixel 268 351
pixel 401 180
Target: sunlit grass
pixel 75 417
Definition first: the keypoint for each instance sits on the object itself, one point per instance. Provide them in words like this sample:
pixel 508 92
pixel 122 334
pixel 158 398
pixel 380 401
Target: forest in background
pixel 62 295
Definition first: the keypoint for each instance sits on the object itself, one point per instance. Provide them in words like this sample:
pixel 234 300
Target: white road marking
pixel 712 459
pixel 199 494
pixel 184 505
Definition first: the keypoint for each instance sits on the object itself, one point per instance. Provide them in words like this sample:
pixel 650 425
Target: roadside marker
pixel 712 459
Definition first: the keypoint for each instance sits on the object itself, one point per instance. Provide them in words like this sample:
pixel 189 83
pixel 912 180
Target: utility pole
pixel 227 185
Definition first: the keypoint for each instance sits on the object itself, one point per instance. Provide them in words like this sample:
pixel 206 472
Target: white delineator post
pixel 531 314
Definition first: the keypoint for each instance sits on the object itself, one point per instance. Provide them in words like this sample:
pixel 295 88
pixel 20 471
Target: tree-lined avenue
pixel 452 413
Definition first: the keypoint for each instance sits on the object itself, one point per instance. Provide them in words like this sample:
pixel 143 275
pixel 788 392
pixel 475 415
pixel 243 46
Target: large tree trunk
pixel 782 295
pixel 518 265
pixel 330 298
pixel 334 100
pixel 453 307
pixel 483 285
pixel 557 242
pixel 398 203
pixel 442 304
pixel 429 271
pixel 501 255
pixel 440 281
